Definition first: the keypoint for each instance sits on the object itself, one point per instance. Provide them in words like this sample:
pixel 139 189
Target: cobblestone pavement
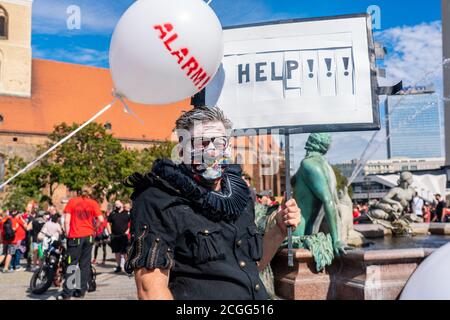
pixel 110 286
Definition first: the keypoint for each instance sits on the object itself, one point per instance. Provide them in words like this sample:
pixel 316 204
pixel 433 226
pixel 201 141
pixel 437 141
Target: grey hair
pixel 202 114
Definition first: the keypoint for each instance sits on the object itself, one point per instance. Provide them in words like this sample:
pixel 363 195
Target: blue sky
pixel 89 45
pixel 411 31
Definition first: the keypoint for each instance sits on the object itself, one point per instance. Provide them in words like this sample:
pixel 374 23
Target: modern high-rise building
pixel 413 125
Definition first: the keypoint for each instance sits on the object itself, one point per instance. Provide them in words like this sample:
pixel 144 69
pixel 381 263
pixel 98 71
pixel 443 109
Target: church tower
pixel 15 47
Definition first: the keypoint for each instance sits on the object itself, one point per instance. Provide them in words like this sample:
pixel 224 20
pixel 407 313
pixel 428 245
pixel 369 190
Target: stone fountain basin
pixel 377 272
pixel 371 231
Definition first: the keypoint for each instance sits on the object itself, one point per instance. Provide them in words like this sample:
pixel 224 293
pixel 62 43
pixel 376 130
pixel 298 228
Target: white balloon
pixel 431 280
pixel 163 51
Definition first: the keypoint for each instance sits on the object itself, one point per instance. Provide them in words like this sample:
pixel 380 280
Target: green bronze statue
pixel 315 192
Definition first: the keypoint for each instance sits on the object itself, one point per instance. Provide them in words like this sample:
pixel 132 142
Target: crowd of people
pixel 22 233
pixel 86 230
pixel 87 233
pixel 435 211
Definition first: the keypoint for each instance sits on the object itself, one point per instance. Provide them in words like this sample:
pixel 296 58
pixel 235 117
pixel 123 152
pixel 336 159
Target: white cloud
pixel 77 55
pixel 415 53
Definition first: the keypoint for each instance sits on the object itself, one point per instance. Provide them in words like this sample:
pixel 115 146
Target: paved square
pixel 110 286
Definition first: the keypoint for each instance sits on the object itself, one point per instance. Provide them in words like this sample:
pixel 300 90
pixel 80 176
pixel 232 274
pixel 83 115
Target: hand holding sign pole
pixel 287 152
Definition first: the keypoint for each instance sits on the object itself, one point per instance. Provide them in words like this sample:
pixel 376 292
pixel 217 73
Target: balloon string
pixel 32 163
pixel 209 2
pixel 126 107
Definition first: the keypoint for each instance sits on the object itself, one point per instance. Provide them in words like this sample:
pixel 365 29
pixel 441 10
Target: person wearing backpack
pixel 8 235
pixel 20 230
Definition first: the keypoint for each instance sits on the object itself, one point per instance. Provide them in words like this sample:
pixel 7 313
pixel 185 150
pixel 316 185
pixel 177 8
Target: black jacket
pixel 208 259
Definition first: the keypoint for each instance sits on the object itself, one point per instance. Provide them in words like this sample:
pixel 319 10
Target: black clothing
pixel 98 245
pixel 37 225
pixel 119 243
pixel 79 252
pixel 208 239
pixel 253 194
pixel 441 205
pixel 119 222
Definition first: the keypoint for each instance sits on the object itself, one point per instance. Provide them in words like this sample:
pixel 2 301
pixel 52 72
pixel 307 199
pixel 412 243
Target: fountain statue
pixel 326 226
pixel 390 211
pixel 348 234
pixel 378 269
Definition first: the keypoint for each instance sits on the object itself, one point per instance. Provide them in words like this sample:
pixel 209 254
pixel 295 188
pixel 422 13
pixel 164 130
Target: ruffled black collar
pixel 225 205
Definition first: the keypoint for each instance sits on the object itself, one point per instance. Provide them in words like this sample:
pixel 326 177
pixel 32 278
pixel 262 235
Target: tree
pixel 24 188
pixel 147 156
pixel 142 162
pixel 91 158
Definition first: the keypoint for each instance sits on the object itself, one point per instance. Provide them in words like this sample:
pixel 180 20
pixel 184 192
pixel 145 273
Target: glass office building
pixel 413 126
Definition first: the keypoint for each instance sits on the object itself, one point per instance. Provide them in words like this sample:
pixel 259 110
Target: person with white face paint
pixel 193 234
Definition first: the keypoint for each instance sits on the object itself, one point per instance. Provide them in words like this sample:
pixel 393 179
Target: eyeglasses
pixel 219 143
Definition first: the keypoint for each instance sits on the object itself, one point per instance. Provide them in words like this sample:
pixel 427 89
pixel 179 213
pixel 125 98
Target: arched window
pixel 3 23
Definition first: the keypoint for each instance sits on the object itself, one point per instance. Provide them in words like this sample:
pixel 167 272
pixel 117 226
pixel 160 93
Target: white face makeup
pixel 207 130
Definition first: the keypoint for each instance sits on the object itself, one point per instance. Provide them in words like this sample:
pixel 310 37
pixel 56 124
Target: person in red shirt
pixel 11 247
pixel 426 212
pixel 101 240
pixel 356 214
pixel 20 227
pixel 446 215
pixel 82 217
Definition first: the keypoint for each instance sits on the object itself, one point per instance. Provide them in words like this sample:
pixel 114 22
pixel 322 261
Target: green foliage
pixel 341 181
pixel 92 158
pixel 16 198
pixel 26 187
pixel 147 156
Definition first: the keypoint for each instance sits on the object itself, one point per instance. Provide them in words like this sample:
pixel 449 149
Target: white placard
pixel 313 73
